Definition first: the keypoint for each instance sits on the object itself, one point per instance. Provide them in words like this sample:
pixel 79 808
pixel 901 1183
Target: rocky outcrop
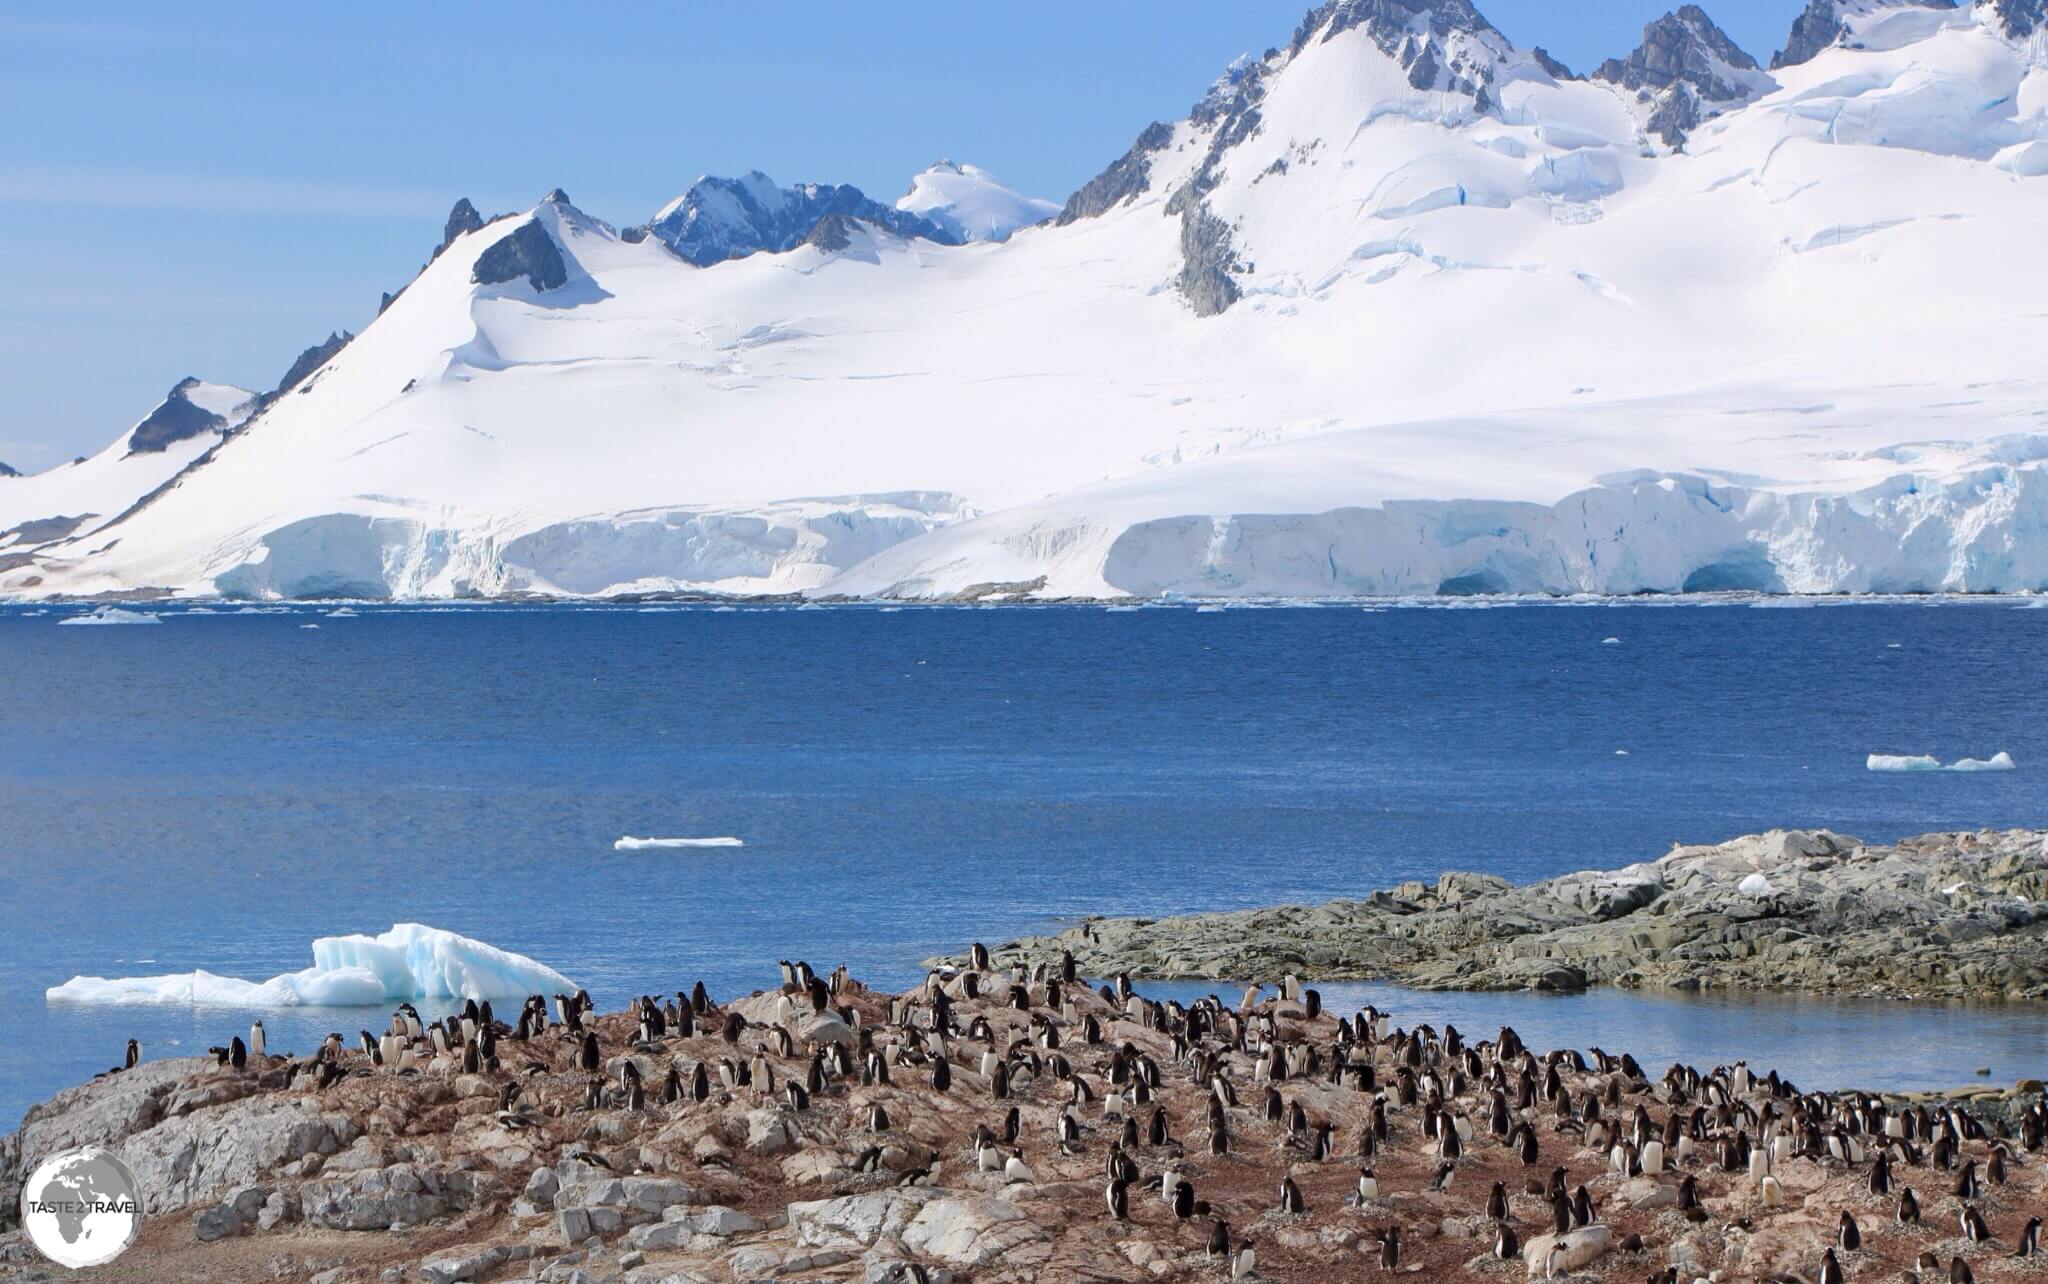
pixel 834 232
pixel 809 1133
pixel 2020 19
pixel 1688 69
pixel 1819 26
pixel 526 251
pixel 729 218
pixel 310 360
pixel 1947 915
pixel 462 220
pixel 175 419
pixel 8 470
pixel 1127 176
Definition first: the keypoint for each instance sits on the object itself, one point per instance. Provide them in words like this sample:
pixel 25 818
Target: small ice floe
pixel 114 615
pixel 342 613
pixel 1610 641
pixel 1211 609
pixel 1621 753
pixel 632 844
pixel 410 961
pixel 1755 885
pixel 309 626
pixel 2000 761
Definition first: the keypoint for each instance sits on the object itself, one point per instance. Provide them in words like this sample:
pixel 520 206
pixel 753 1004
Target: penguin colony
pixel 1262 1138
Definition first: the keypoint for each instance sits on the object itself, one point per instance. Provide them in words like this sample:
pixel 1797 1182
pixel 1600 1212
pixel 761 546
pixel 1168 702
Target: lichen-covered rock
pixel 1942 915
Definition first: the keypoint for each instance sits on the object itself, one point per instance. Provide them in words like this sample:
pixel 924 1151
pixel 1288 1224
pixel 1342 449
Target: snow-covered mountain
pixel 971 203
pixel 1398 307
pixel 75 500
pixel 729 218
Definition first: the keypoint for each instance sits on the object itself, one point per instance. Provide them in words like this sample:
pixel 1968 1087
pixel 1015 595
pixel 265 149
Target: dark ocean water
pixel 216 790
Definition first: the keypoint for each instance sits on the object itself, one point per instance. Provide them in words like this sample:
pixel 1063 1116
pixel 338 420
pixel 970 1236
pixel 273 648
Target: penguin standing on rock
pixel 2030 1239
pixel 134 1055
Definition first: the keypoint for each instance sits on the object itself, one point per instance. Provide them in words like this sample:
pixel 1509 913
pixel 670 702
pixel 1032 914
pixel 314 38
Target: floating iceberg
pixel 114 615
pixel 2000 761
pixel 410 961
pixel 632 844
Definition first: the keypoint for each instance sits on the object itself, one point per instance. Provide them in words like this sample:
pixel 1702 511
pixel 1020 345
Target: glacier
pixel 410 961
pixel 1398 308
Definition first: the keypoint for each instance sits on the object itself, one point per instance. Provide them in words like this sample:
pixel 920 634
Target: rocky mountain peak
pixel 1689 68
pixel 8 470
pixel 462 219
pixel 729 218
pixel 175 419
pixel 1443 45
pixel 1820 26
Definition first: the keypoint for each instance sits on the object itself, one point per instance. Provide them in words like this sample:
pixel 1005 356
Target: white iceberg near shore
pixel 628 843
pixel 2000 761
pixel 114 615
pixel 411 961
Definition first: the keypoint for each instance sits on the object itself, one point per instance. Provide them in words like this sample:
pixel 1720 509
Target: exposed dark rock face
pixel 1552 65
pixel 2021 18
pixel 730 218
pixel 1820 26
pixel 310 360
pixel 462 219
pixel 1685 60
pixel 1681 48
pixel 174 420
pixel 1207 261
pixel 1125 178
pixel 833 232
pixel 44 529
pixel 527 251
pixel 1414 33
pixel 7 470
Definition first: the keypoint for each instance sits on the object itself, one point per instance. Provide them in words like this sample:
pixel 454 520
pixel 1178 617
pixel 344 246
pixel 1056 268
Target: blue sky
pixel 208 190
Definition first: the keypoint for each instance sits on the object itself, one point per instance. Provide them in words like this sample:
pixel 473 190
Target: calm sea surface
pixel 216 790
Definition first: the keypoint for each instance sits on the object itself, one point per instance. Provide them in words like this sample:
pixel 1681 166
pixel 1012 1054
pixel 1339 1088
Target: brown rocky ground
pixel 422 1175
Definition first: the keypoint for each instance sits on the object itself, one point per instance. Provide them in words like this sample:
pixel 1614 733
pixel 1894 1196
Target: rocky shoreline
pixel 968 1129
pixel 1952 915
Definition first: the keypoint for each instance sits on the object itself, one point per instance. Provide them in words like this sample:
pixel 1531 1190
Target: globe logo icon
pixel 82 1207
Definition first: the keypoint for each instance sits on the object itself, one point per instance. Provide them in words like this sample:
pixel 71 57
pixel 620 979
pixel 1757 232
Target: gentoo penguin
pixel 2030 1239
pixel 1830 1269
pixel 1183 1199
pixel 1016 1170
pixel 878 1118
pixel 1117 1195
pixel 942 1074
pixel 586 1053
pixel 1909 1207
pixel 1973 1225
pixel 1959 1272
pixel 134 1055
pixel 977 956
pixel 238 1053
pixel 1246 1261
pixel 1848 1236
pixel 1219 1239
pixel 1506 1244
pixel 1497 1201
pixel 1290 1196
pixel 1368 1186
pixel 256 1038
pixel 1967 1186
pixel 1390 1248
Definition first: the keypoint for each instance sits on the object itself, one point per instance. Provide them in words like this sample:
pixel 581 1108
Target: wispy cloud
pixel 215 193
